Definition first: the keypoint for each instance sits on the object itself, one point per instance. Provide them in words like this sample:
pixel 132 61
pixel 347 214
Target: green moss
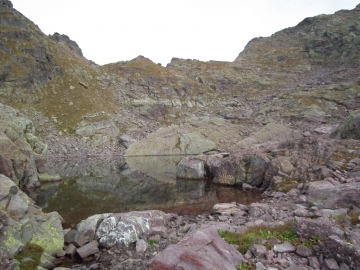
pixel 259 233
pixel 151 242
pixel 287 184
pixel 29 258
pixel 247 266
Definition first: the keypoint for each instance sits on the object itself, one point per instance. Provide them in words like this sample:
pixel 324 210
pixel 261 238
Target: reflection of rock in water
pixel 162 168
pixel 44 195
pixel 191 189
pixel 102 186
pixel 71 168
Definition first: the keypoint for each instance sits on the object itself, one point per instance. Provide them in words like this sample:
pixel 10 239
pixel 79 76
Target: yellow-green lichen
pixel 48 238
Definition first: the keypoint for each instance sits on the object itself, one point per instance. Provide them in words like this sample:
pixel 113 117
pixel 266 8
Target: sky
pixel 108 31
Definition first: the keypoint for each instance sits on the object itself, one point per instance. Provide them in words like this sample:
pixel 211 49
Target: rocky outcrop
pixel 66 40
pixel 22 222
pixel 23 154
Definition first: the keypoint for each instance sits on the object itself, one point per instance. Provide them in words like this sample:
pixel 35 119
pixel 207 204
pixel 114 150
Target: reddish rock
pixel 89 249
pixel 204 249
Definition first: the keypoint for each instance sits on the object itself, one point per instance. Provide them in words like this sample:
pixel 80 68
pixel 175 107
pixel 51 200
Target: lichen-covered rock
pixel 17 207
pixel 23 222
pixel 49 234
pixel 350 129
pixel 125 228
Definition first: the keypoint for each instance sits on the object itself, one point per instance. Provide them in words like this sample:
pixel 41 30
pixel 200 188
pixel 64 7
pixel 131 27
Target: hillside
pixel 303 78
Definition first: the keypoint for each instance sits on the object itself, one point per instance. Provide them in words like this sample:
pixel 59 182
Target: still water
pixel 94 186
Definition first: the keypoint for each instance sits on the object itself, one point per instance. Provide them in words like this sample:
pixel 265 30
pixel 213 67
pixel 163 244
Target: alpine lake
pixel 92 186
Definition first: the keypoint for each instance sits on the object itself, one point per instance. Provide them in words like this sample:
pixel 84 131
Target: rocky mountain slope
pixel 306 73
pixel 282 115
pixel 304 78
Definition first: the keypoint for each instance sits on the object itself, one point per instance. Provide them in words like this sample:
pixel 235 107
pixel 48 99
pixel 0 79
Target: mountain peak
pixel 5 5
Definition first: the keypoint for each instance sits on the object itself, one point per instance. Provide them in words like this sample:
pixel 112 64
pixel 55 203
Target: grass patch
pixel 29 258
pixel 287 184
pixel 247 266
pixel 152 242
pixel 264 235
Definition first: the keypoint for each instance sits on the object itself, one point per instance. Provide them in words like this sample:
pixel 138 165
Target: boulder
pixel 321 227
pixel 193 144
pixel 77 238
pixel 347 250
pixel 91 223
pixel 168 142
pixel 17 207
pixel 227 209
pixel 49 234
pixel 284 247
pixel 125 228
pixel 89 249
pixel 350 129
pixel 323 194
pixel 203 249
pixel 191 168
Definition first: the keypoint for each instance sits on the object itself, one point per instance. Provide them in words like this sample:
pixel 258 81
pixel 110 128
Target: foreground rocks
pixel 22 223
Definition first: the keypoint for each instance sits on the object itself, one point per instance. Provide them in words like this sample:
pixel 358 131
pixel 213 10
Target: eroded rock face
pixel 22 153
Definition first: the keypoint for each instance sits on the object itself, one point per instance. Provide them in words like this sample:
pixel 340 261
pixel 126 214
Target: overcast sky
pixel 116 30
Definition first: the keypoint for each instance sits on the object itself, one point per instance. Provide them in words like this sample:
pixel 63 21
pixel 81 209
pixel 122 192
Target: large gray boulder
pixel 204 249
pixel 171 142
pixel 191 168
pixel 324 194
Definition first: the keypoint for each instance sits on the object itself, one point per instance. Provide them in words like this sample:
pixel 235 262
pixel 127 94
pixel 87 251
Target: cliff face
pixel 306 75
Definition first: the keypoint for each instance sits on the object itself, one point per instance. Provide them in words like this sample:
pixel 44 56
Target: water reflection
pixel 93 186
